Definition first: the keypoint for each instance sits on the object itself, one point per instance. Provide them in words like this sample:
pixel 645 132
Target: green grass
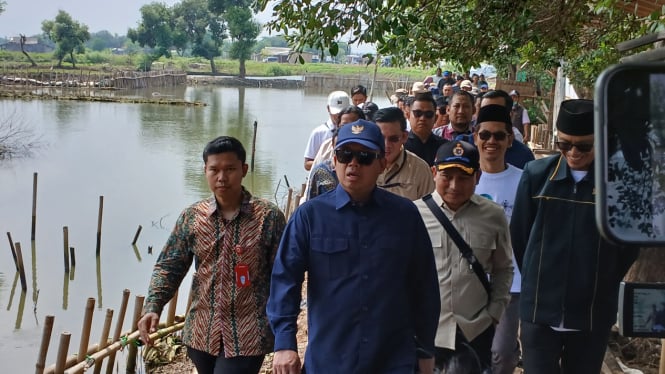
pixel 99 61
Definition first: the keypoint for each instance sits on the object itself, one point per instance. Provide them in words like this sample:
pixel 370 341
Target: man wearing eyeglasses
pixel 405 174
pixel 371 279
pixel 493 136
pixel 570 274
pixel 421 140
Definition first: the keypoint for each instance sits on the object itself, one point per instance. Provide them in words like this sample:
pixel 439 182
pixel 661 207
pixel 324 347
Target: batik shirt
pixel 223 309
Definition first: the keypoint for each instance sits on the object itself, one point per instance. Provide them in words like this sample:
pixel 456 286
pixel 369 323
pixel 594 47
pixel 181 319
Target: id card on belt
pixel 242 276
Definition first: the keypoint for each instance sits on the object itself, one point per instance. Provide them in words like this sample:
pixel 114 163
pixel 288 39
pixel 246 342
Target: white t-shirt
pixel 317 137
pixel 501 188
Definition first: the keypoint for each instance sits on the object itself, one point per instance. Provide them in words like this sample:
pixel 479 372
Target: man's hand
pixel 286 362
pixel 147 325
pixel 426 365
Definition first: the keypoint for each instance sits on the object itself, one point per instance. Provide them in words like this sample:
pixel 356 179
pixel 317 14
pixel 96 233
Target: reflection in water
pixel 99 281
pixel 11 294
pixel 65 291
pixel 136 252
pixel 19 314
pixel 35 290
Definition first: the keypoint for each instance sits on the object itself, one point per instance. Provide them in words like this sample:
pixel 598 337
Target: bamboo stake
pixel 65 292
pixel 136 236
pixel 118 328
pixel 19 314
pixel 170 314
pixel 65 240
pixel 99 280
pixel 104 339
pixel 11 247
pixel 21 269
pixel 136 252
pixel 133 349
pixel 288 203
pixel 72 257
pixel 99 224
pixel 131 341
pixel 254 144
pixel 34 206
pixel 72 360
pixel 85 329
pixel 61 359
pixel 43 348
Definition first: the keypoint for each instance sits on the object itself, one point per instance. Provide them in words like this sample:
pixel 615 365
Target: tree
pixel 22 41
pixel 69 36
pixel 3 4
pixel 542 32
pixel 201 28
pixel 16 138
pixel 156 30
pixel 102 40
pixel 243 30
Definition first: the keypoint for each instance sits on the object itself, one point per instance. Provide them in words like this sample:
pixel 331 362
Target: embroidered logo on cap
pixel 357 129
pixel 458 150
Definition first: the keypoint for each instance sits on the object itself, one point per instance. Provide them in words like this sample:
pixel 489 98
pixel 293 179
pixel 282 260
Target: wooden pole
pixel 170 314
pixel 21 269
pixel 11 247
pixel 133 349
pixel 118 329
pixel 136 236
pixel 136 252
pixel 661 369
pixel 34 206
pixel 72 359
pixel 61 359
pixel 254 144
pixel 104 339
pixel 72 257
pixel 99 280
pixel 85 329
pixel 65 240
pixel 65 291
pixel 99 224
pixel 43 348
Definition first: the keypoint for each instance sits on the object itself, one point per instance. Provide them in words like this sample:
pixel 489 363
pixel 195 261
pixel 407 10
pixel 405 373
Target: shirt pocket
pixel 331 257
pixel 483 246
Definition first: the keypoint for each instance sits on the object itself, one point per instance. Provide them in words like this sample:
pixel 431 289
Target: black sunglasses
pixel 582 147
pixel 486 135
pixel 429 114
pixel 364 157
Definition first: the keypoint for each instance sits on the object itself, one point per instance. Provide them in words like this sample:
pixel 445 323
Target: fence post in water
pixel 43 348
pixel 65 240
pixel 72 257
pixel 85 330
pixel 61 358
pixel 254 145
pixel 21 269
pixel 11 247
pixel 34 206
pixel 133 349
pixel 118 329
pixel 99 224
pixel 136 236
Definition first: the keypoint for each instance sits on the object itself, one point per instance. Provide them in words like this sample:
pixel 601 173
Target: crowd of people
pixel 430 239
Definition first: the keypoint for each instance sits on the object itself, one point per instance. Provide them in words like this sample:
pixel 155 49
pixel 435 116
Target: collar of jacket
pixel 562 171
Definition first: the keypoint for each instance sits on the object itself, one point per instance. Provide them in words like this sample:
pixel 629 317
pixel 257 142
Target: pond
pixel 145 160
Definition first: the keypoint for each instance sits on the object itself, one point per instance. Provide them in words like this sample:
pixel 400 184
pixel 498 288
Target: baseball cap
pixel 446 73
pixel 361 132
pixel 514 93
pixel 466 83
pixel 338 100
pixel 484 86
pixel 457 154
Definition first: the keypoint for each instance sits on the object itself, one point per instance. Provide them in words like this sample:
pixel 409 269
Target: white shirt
pixel 317 137
pixel 501 188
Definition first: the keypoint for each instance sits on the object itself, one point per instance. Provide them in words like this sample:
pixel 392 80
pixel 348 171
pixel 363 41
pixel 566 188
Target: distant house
pixel 282 55
pixel 31 45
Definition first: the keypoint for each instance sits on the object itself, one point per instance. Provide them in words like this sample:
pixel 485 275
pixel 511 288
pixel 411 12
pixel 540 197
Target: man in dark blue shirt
pixel 372 287
pixel 422 117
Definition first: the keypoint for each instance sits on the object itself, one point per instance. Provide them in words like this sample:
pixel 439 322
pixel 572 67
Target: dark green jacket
pixel 568 271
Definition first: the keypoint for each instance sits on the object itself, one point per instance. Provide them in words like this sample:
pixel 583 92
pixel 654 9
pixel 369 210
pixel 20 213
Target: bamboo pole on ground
pixel 63 347
pixel 21 268
pixel 104 339
pixel 43 348
pixel 111 349
pixel 133 349
pixel 34 206
pixel 85 329
pixel 65 243
pixel 118 328
pixel 12 248
pixel 99 224
pixel 72 360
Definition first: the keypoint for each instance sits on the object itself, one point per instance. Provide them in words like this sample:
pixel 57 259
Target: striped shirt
pixel 221 312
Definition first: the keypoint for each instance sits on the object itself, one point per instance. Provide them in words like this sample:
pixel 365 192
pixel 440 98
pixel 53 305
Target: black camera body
pixel 642 310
